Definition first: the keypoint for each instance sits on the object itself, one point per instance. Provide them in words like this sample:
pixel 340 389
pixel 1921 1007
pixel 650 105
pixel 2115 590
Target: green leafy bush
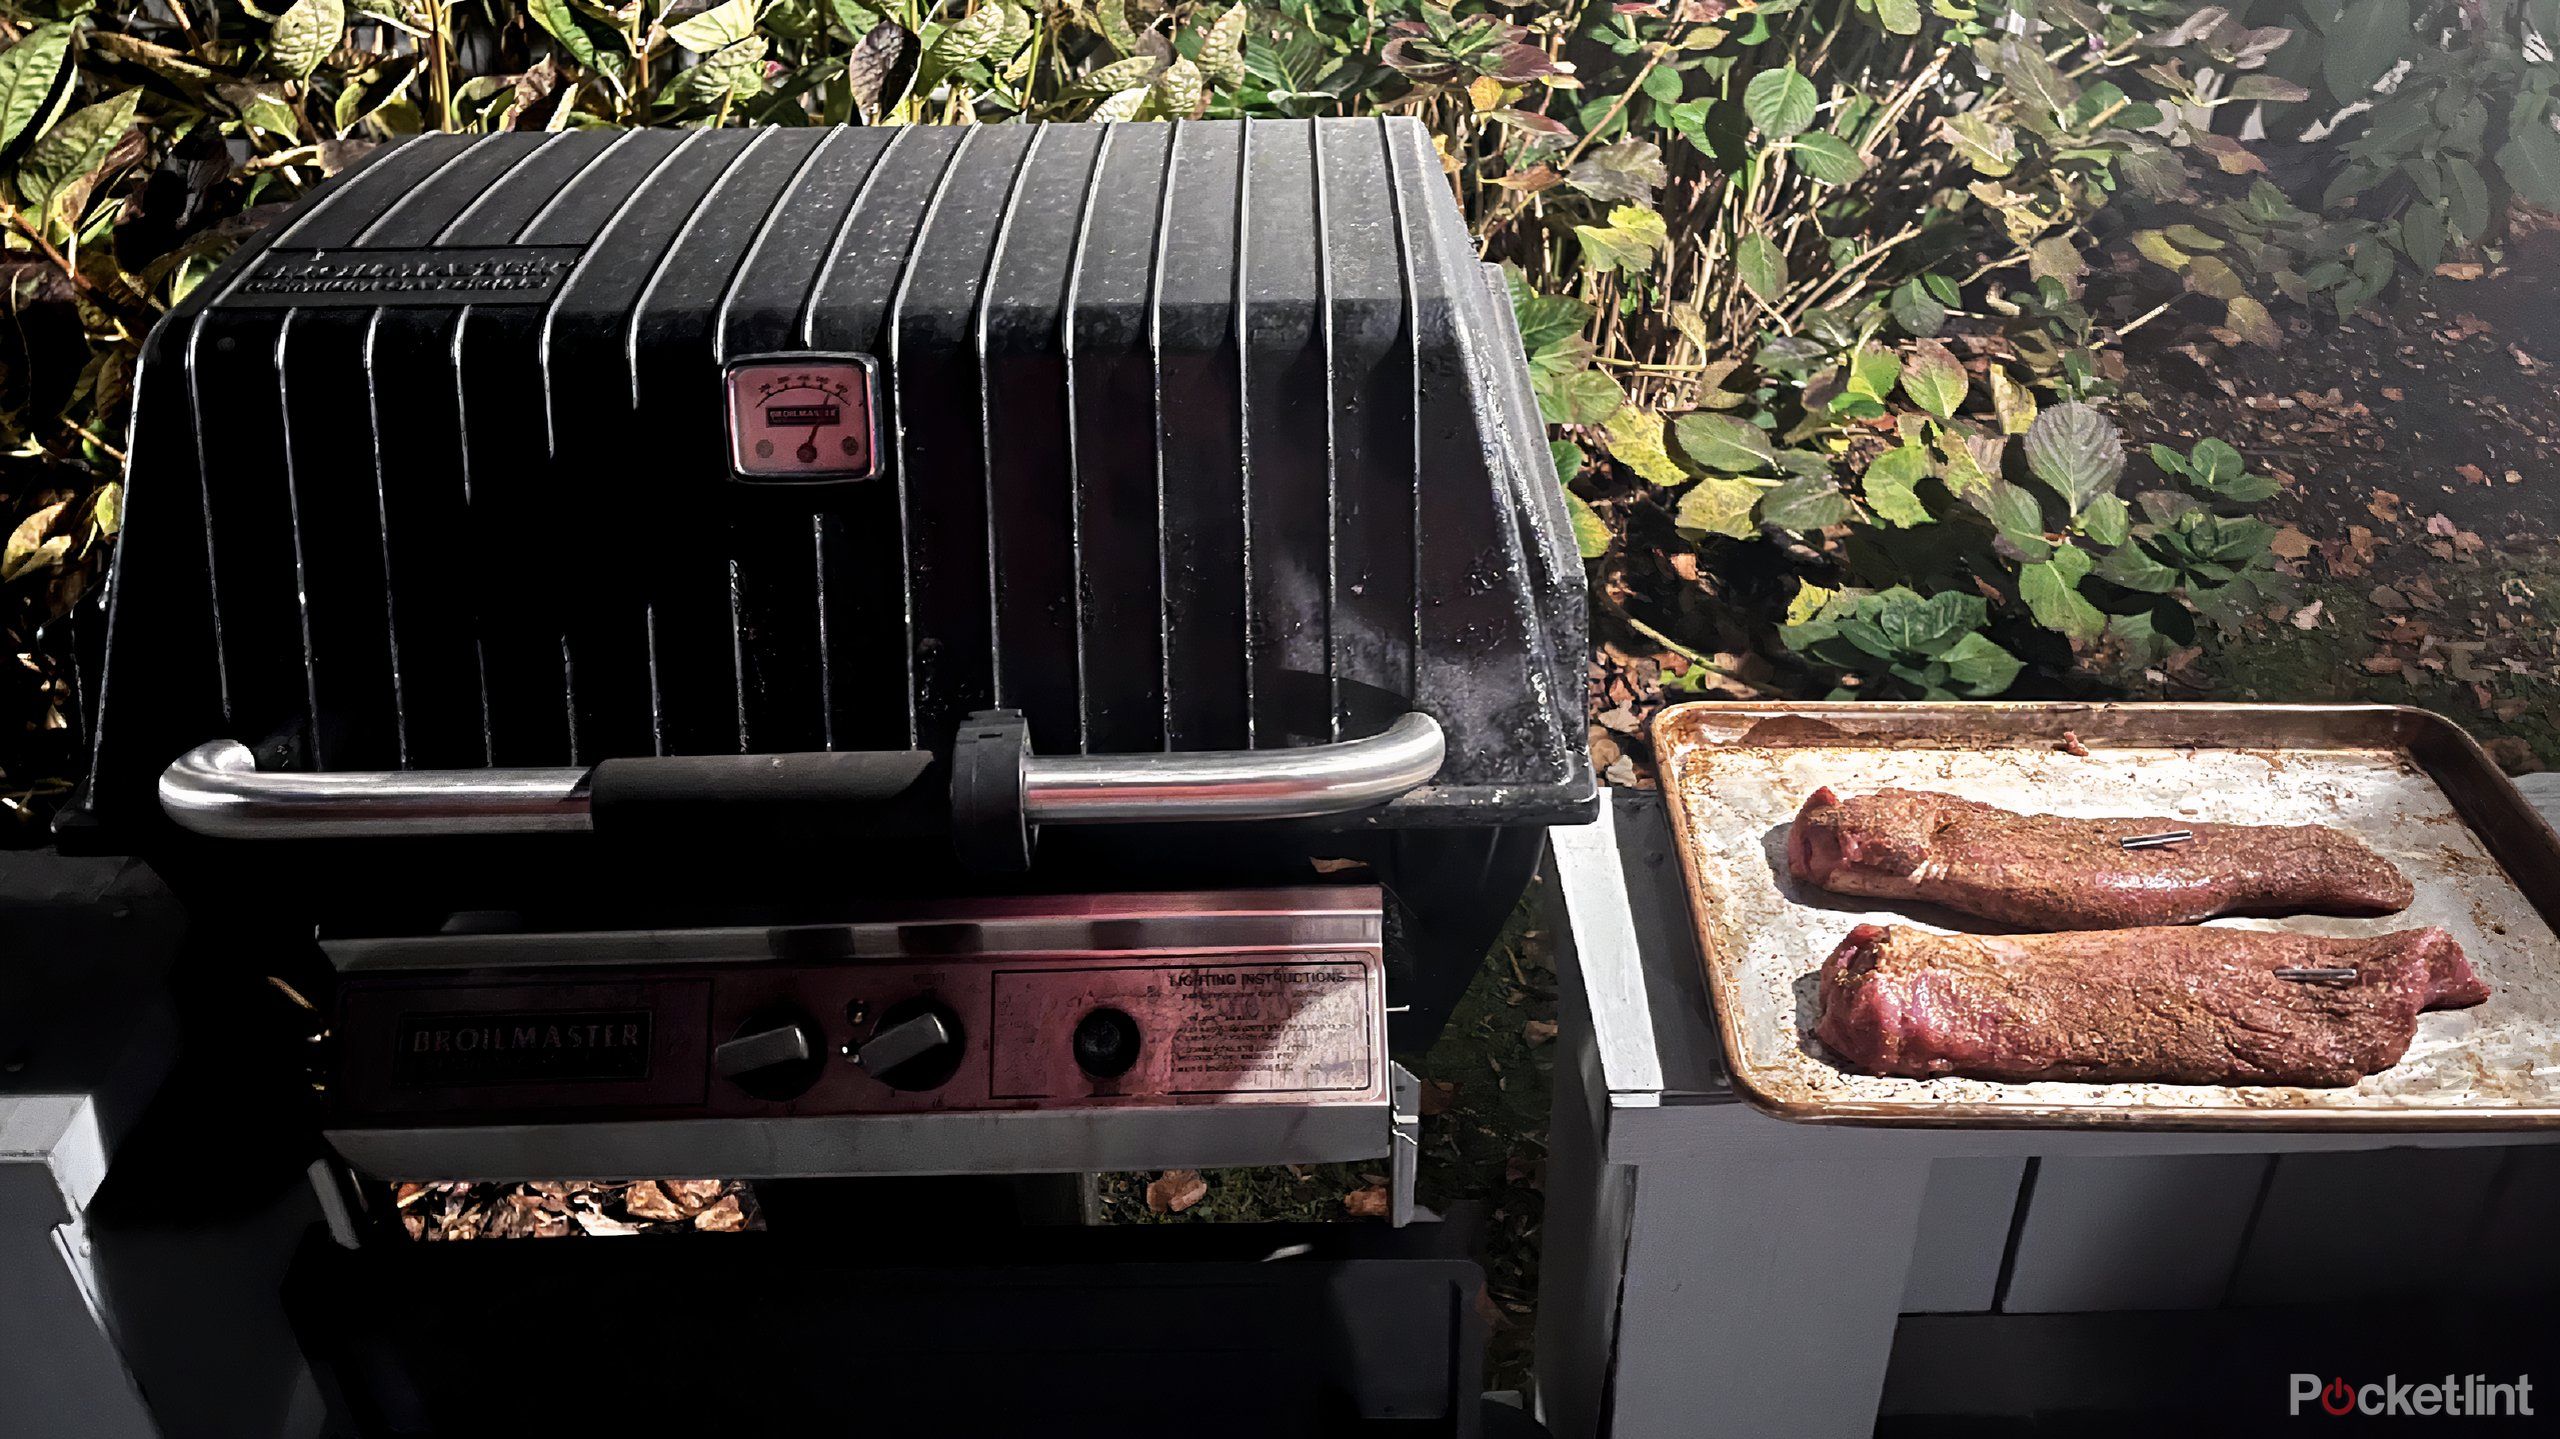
pixel 1834 280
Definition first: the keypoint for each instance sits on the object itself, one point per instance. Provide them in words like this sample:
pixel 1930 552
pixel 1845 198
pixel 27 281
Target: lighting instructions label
pixel 1271 1028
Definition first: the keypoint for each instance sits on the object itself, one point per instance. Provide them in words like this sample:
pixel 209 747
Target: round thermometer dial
pixel 806 418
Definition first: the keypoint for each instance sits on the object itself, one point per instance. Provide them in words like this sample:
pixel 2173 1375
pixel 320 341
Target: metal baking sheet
pixel 2410 783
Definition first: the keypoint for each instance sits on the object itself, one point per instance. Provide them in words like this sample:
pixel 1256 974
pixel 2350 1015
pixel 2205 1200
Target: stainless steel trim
pixel 217 789
pixel 1134 932
pixel 1049 1141
pixel 1296 783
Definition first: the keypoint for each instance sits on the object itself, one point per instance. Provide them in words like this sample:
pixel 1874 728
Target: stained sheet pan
pixel 2410 783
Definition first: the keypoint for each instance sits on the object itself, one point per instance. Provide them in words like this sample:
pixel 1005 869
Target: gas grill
pixel 863 651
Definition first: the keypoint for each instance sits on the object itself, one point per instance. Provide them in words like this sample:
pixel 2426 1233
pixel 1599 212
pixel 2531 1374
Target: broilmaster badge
pixel 803 417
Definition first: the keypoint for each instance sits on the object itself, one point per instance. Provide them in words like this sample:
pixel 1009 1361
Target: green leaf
pixel 1805 503
pixel 2035 78
pixel 2015 515
pixel 304 35
pixel 1628 170
pixel 1980 667
pixel 2250 321
pixel 1112 18
pixel 2132 567
pixel 2370 37
pixel 2468 201
pixel 1930 627
pixel 2422 235
pixel 1591 535
pixel 717 28
pixel 2052 595
pixel 2053 258
pixel 2530 163
pixel 2154 246
pixel 1569 460
pixel 1718 506
pixel 1763 268
pixel 1900 17
pixel 1780 102
pixel 1891 484
pixel 71 150
pixel 1583 397
pixel 1991 149
pixel 1723 445
pixel 2214 463
pixel 1635 437
pixel 1935 380
pixel 1872 372
pixel 732 70
pixel 1633 236
pixel 963 42
pixel 1545 320
pixel 2077 451
pixel 560 20
pixel 1221 55
pixel 1916 310
pixel 2271 88
pixel 1827 158
pixel 29 72
pixel 1125 105
pixel 2013 402
pixel 1178 92
pixel 2214 279
pixel 2106 521
pixel 856 16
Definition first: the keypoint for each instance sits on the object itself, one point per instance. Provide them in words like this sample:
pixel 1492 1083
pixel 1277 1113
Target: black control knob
pixel 775 1055
pixel 916 1045
pixel 1106 1043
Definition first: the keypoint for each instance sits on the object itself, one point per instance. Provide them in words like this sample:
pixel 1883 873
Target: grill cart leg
pixel 136 1293
pixel 1691 1291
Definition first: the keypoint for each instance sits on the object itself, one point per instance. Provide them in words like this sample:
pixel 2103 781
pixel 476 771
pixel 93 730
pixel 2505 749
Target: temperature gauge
pixel 803 417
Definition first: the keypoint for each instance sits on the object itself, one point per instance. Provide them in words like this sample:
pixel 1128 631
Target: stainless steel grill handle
pixel 217 789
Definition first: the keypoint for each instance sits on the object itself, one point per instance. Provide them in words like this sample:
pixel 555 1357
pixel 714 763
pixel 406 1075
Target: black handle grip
pixel 977 801
pixel 881 794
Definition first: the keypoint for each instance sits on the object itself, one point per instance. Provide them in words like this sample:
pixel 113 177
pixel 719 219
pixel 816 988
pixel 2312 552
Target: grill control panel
pixel 1092 1002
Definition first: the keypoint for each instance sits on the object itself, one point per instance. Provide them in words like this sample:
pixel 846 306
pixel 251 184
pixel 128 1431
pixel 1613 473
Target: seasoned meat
pixel 2049 872
pixel 2176 1005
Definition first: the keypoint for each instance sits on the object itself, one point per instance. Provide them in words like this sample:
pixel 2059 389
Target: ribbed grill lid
pixel 1192 436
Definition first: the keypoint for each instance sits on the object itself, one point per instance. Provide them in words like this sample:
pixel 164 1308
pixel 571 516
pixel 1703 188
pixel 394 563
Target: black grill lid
pixel 1196 436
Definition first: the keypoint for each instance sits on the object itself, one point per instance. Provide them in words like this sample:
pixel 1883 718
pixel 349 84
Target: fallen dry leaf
pixel 2513 755
pixel 694 1193
pixel 2072 746
pixel 1176 1190
pixel 1369 1203
pixel 2308 616
pixel 599 1226
pixel 646 1200
pixel 2291 544
pixel 2385 506
pixel 726 1217
pixel 1439 1096
pixel 2472 474
pixel 1538 1031
pixel 2461 270
pixel 2388 598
